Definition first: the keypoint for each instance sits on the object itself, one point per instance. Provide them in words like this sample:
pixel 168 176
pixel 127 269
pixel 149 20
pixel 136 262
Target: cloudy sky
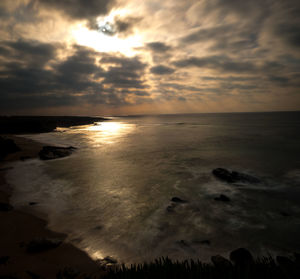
pixel 103 57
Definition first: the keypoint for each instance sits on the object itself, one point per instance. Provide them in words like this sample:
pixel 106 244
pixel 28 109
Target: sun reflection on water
pixel 109 132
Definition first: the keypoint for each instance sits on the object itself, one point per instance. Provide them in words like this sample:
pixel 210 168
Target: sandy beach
pixel 18 229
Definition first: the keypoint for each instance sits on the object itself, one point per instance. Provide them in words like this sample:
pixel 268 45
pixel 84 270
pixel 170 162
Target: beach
pixel 20 228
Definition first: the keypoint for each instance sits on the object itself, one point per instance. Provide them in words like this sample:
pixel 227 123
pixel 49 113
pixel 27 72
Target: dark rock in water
pixel 107 261
pixel 234 176
pixel 98 228
pixel 242 177
pixel 33 203
pixel 4 260
pixel 5 207
pixel 7 146
pixel 205 242
pixel 170 208
pixel 222 198
pixel 183 243
pixel 55 152
pixel 220 262
pixel 285 214
pixel 42 244
pixel 178 200
pixel 241 257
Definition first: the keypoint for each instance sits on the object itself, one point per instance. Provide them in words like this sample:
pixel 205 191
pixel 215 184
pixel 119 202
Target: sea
pixel 112 196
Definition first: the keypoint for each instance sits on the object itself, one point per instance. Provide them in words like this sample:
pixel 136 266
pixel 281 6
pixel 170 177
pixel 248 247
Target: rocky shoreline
pixel 28 248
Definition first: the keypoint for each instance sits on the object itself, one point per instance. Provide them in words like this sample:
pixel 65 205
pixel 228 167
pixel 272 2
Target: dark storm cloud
pixel 227 37
pixel 79 9
pixel 158 47
pixel 161 70
pixel 281 81
pixel 126 25
pixel 289 33
pixel 32 76
pixel 124 72
pixel 31 53
pixel 221 63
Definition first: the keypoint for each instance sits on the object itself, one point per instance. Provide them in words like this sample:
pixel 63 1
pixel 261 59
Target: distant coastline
pixel 42 124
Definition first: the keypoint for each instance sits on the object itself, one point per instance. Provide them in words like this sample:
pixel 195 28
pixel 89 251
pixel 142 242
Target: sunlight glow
pixel 109 132
pixel 106 43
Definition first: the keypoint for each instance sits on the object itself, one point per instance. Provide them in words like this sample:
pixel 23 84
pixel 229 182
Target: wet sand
pixel 18 228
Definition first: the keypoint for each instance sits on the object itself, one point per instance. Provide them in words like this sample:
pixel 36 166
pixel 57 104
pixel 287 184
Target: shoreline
pixel 19 228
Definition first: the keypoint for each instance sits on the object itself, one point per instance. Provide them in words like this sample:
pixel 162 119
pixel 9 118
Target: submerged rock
pixel 178 200
pixel 205 242
pixel 234 176
pixel 5 206
pixel 170 208
pixel 42 244
pixel 33 203
pixel 55 152
pixel 222 198
pixel 284 214
pixel 241 257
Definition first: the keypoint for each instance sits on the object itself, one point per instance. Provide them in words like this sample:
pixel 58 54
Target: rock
pixel 284 214
pixel 170 208
pixel 234 176
pixel 241 257
pixel 178 200
pixel 98 228
pixel 183 243
pixel 222 198
pixel 5 207
pixel 107 261
pixel 42 244
pixel 220 262
pixel 55 152
pixel 242 177
pixel 33 203
pixel 7 146
pixel 205 242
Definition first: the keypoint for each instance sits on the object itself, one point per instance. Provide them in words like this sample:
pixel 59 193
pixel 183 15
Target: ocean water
pixel 111 196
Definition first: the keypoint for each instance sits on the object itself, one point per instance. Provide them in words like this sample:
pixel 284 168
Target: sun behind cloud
pixel 103 41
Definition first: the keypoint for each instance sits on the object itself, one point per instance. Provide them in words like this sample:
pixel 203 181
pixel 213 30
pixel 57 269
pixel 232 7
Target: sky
pixel 119 57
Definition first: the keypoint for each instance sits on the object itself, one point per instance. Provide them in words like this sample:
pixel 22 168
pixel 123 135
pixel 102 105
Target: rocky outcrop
pixel 234 176
pixel 7 146
pixel 42 124
pixel 178 200
pixel 222 198
pixel 54 152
